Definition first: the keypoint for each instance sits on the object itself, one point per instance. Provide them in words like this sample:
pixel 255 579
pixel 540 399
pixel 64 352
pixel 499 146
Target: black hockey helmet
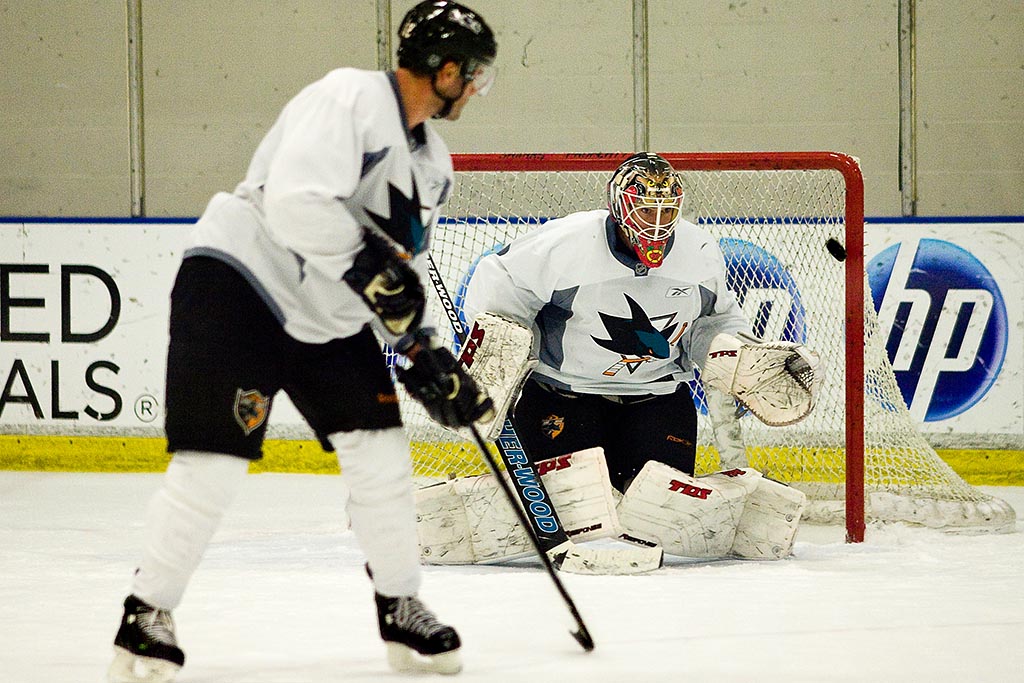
pixel 437 31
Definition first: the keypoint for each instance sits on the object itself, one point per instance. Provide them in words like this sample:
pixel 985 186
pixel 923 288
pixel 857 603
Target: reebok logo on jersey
pixel 674 292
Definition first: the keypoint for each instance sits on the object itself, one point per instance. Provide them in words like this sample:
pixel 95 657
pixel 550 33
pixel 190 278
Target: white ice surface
pixel 281 597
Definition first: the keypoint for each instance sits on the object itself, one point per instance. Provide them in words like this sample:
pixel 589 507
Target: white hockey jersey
pixel 338 157
pixel 607 323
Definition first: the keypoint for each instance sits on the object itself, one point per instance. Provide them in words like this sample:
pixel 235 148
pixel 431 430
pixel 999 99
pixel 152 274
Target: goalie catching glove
pixel 387 284
pixel 434 378
pixel 777 381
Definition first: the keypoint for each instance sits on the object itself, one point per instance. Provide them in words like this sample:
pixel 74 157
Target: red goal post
pixel 784 220
pixel 853 182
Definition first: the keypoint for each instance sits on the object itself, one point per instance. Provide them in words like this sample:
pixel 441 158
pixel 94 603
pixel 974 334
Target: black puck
pixel 837 250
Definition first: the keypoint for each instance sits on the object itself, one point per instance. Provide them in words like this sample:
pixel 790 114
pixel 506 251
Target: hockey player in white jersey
pixel 625 303
pixel 281 288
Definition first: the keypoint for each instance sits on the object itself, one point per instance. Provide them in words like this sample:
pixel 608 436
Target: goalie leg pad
pixel 497 354
pixel 581 492
pixel 768 526
pixel 442 526
pixel 468 521
pixel 688 516
pixel 580 559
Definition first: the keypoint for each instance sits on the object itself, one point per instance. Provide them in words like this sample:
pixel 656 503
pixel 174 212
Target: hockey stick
pixel 547 528
pixel 542 523
pixel 581 634
pixel 548 531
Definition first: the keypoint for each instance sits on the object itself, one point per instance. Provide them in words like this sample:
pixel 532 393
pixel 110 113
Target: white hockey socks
pixel 181 519
pixel 377 469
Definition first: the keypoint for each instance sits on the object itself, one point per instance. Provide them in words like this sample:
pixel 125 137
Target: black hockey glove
pixel 388 285
pixel 436 380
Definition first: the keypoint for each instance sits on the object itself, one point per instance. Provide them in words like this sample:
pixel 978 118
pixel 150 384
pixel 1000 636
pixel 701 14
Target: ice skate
pixel 145 650
pixel 415 639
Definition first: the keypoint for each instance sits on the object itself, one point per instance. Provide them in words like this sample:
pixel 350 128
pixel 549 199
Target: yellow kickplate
pixel 143 454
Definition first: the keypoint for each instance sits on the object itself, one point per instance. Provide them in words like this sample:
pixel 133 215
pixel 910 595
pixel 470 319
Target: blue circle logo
pixel 765 290
pixel 946 322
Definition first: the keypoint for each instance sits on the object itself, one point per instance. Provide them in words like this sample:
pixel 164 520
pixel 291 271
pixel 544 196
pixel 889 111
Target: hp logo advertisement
pixel 765 290
pixel 945 322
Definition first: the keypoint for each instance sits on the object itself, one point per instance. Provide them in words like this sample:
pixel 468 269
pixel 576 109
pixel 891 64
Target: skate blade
pixel 130 668
pixel 404 659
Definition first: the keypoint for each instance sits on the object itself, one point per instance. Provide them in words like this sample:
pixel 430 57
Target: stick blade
pixel 582 637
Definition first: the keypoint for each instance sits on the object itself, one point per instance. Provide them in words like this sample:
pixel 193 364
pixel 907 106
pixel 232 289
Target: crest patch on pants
pixel 552 425
pixel 251 408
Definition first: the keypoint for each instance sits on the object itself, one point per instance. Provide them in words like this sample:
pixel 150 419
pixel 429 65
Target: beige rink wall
pixel 146 107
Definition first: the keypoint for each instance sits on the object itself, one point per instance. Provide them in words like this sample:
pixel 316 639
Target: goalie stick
pixel 543 520
pixel 545 531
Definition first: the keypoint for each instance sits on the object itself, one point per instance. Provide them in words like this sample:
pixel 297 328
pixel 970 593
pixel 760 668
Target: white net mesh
pixel 773 227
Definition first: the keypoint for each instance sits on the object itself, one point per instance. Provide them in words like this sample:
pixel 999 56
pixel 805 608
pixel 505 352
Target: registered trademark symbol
pixel 146 408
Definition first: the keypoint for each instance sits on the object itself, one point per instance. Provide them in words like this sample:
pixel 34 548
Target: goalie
pixel 620 306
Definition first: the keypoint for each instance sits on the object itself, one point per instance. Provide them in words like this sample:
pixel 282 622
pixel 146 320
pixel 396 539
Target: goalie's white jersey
pixel 608 324
pixel 339 156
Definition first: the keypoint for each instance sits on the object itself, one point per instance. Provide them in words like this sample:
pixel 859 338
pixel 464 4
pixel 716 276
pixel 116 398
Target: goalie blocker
pixel 498 355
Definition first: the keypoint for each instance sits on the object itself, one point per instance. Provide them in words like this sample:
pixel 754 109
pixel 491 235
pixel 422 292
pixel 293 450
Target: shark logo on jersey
pixel 371 159
pixel 634 338
pixel 403 223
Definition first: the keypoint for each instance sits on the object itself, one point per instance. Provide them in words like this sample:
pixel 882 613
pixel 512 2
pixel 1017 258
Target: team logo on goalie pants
pixel 631 432
pixel 552 426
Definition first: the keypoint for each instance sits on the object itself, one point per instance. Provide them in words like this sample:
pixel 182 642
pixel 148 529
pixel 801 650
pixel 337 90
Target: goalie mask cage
pixel 784 221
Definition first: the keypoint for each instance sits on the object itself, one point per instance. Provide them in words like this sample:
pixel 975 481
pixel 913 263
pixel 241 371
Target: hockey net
pixel 791 228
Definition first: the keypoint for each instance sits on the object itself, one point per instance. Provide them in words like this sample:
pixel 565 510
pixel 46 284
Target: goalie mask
pixel 645 198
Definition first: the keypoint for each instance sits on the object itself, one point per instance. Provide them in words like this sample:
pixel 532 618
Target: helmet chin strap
pixel 449 102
